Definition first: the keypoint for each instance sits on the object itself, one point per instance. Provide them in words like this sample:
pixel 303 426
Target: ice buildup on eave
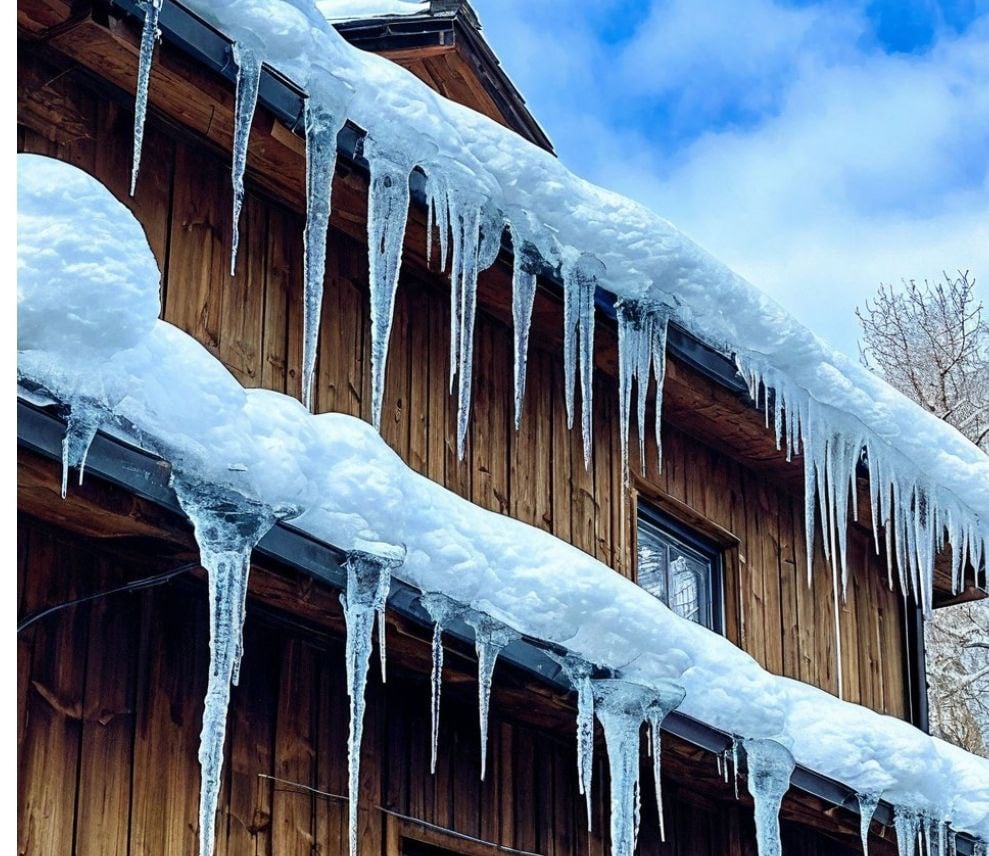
pixel 928 485
pixel 89 340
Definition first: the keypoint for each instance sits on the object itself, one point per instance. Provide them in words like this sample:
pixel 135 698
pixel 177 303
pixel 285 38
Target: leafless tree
pixel 931 342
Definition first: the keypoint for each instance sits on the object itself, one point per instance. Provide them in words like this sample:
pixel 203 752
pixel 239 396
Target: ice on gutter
pixel 928 486
pixel 89 339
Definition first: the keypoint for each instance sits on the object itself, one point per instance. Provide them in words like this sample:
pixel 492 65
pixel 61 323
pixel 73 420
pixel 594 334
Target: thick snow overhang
pixel 442 44
pixel 142 474
pixel 188 32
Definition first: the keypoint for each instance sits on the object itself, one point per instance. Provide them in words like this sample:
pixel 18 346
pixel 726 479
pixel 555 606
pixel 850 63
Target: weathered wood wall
pixel 109 708
pixel 252 323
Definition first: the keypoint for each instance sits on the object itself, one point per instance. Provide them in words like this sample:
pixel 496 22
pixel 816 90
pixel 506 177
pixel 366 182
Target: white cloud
pixel 855 167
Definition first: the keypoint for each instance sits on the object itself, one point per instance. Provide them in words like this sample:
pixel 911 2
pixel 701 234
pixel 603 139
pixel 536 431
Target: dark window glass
pixel 679 568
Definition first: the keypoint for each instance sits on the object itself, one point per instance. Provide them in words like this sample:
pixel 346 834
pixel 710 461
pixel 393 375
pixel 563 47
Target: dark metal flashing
pixel 147 476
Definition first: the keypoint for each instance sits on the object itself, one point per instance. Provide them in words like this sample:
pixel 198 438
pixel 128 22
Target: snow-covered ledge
pixel 88 334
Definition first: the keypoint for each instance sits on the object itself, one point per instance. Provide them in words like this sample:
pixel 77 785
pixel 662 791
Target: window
pixel 680 567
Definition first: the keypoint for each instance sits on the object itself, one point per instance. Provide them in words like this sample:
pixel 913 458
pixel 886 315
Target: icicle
pixel 642 329
pixel 81 424
pixel 441 610
pixel 387 213
pixel 368 581
pixel 490 637
pixel 734 763
pixel 523 297
pixel 149 35
pixel 906 821
pixel 578 672
pixel 580 280
pixel 248 63
pixel 668 698
pixel 867 809
pixel 620 707
pixel 227 529
pixel 322 126
pixel 382 651
pixel 769 767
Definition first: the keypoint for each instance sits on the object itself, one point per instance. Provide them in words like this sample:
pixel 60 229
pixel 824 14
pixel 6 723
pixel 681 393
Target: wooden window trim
pixel 697 532
pixel 398 829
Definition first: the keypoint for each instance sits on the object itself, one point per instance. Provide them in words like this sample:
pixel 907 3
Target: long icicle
pixel 368 581
pixel 867 809
pixel 248 62
pixel 387 213
pixel 149 35
pixel 770 766
pixel 490 638
pixel 580 280
pixel 227 529
pixel 322 127
pixel 523 297
pixel 578 672
pixel 441 610
pixel 620 708
pixel 668 698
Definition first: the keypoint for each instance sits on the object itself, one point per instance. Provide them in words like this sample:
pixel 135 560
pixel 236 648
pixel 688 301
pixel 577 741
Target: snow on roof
pixel 354 10
pixel 250 455
pixel 929 484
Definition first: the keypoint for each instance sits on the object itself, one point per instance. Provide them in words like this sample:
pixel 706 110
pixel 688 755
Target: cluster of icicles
pixel 227 528
pixel 916 520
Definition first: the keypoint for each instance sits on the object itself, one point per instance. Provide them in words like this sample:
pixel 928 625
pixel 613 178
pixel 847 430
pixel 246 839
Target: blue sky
pixel 819 148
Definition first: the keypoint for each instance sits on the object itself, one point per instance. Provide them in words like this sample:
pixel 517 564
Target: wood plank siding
pixel 110 704
pixel 721 470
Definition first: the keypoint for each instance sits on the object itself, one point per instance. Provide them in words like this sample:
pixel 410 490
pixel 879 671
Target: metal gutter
pixel 190 33
pixel 147 476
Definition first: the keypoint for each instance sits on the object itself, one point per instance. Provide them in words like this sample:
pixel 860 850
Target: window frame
pixel 695 542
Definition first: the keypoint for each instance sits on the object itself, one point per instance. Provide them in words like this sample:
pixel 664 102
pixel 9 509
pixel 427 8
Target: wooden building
pixel 111 681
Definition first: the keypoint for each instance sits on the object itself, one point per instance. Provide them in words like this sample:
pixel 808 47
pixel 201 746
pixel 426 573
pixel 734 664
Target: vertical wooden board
pixel 465 774
pixel 28 602
pixel 826 674
pixel 52 725
pixel 279 288
pixel 804 595
pixel 560 458
pixel 437 357
pixel 330 356
pixel 489 426
pixel 851 644
pixel 352 331
pixel 395 401
pixel 525 796
pixel 602 465
pixel 790 581
pixel 242 297
pixel 893 654
pixel 152 203
pixel 199 246
pixel 172 674
pixel 370 830
pixel 619 504
pixel 332 724
pixel 250 735
pixel 768 504
pixel 419 358
pixel 292 807
pixel 294 315
pixel 506 806
pixel 103 804
pixel 531 446
pixel 753 577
